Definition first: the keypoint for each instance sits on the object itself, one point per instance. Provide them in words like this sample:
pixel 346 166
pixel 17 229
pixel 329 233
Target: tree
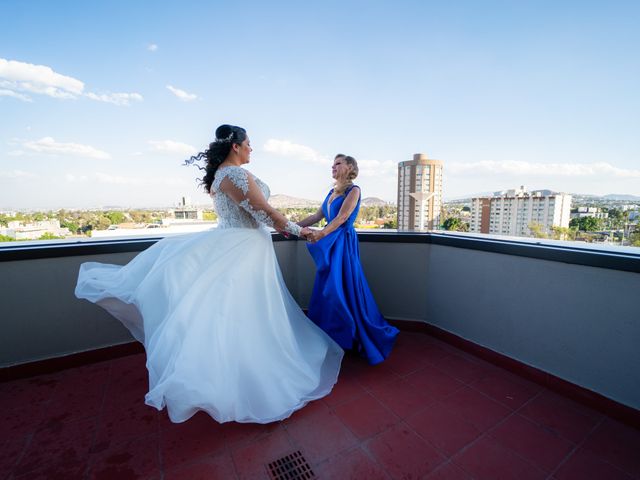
pixel 455 224
pixel 116 217
pixel 587 224
pixel 391 223
pixel 537 231
pixel 6 238
pixel 49 236
pixel 4 220
pixel 209 216
pixel 138 216
pixel 634 238
pixel 102 223
pixel 564 233
pixel 73 227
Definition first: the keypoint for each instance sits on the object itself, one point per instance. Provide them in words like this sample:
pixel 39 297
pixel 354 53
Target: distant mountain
pixel 545 192
pixel 285 201
pixel 615 196
pixel 373 202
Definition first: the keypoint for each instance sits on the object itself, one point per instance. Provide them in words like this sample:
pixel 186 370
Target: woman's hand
pixel 315 236
pixel 305 232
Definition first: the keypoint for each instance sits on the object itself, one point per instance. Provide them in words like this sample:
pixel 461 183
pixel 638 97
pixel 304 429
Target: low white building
pixel 589 212
pixel 150 230
pixel 185 210
pixel 35 230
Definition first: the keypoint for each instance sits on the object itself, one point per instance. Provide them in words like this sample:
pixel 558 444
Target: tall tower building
pixel 419 193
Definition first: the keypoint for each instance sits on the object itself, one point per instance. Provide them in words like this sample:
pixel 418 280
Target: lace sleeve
pixel 240 186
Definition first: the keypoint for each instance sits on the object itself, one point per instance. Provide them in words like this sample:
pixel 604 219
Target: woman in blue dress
pixel 342 303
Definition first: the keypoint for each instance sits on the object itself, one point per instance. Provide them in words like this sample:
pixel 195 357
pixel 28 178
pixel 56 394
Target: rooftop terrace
pixel 514 361
pixel 431 411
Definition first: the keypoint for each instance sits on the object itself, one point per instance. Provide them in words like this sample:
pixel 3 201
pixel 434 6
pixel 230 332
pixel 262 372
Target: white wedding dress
pixel 221 331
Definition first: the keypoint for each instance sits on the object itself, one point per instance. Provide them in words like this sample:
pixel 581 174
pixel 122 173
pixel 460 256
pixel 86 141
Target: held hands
pixel 305 232
pixel 311 236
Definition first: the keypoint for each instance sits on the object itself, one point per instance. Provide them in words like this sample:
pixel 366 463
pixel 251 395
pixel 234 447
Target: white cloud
pixel 17 77
pixel 289 149
pixel 172 148
pixel 11 93
pixel 13 174
pixel 71 178
pixel 117 179
pixel 121 99
pixel 181 94
pixel 598 169
pixel 49 146
pixel 368 168
pixel 376 168
pixel 152 47
pixel 39 79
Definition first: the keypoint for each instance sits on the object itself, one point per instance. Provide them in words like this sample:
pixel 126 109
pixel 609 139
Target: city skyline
pixel 101 104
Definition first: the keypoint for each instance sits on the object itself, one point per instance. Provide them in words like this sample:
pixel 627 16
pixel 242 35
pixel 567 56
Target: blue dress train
pixel 342 303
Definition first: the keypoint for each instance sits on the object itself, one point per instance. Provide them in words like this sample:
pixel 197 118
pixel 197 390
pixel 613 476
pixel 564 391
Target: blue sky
pixel 101 101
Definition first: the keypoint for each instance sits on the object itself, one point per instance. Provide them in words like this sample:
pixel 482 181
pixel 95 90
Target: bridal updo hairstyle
pixel 343 183
pixel 226 136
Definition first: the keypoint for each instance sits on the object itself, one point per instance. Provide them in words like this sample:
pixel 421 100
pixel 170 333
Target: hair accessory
pixel 225 140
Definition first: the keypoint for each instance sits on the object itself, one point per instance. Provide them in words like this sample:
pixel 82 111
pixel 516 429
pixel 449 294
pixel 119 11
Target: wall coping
pixel 620 258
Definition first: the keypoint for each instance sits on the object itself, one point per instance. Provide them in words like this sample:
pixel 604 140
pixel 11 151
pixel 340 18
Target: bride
pixel 221 331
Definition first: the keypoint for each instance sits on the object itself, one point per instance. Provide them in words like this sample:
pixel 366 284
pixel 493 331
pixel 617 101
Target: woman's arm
pixel 242 189
pixel 312 219
pixel 347 208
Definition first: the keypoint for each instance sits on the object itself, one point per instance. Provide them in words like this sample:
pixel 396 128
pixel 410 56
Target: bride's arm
pixel 347 208
pixel 244 190
pixel 312 219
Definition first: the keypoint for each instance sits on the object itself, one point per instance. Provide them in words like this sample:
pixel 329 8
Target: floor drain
pixel 291 467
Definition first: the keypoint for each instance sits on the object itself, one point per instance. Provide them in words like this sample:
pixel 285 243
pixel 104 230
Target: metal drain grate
pixel 291 467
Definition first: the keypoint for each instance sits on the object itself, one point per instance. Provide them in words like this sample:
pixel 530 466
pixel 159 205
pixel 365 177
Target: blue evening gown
pixel 342 303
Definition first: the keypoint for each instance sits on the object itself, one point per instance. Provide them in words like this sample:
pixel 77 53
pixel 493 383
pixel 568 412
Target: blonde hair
pixel 342 184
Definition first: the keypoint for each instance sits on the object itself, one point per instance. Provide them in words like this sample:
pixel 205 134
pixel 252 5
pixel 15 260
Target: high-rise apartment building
pixel 419 193
pixel 512 212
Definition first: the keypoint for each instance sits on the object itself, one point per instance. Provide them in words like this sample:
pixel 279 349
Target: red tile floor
pixel 430 411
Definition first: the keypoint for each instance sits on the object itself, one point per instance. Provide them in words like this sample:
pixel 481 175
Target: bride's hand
pixel 314 236
pixel 305 232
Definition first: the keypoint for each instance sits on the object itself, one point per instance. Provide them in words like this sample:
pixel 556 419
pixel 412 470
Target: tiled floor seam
pixel 546 428
pixel 535 395
pixel 333 407
pixel 444 464
pixel 467 446
pixel 463 382
pixel 579 445
pixel 160 458
pixel 365 447
pixel 446 457
pixel 233 462
pixel 487 434
pixel 516 412
pixel 22 454
pixel 98 423
pixel 361 442
pixel 366 451
pixel 360 446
